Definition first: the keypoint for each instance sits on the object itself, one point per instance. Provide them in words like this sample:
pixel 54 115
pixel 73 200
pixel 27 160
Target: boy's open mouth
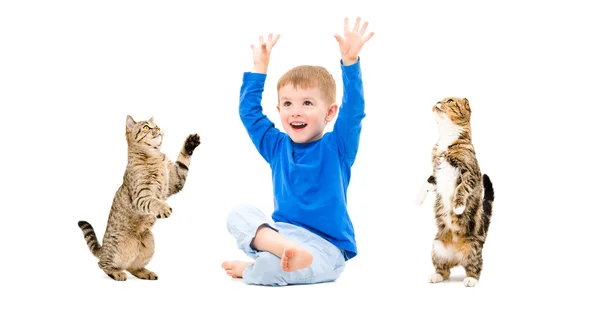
pixel 298 125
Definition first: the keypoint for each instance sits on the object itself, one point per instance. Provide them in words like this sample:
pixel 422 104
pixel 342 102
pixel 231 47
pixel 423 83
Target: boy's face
pixel 303 113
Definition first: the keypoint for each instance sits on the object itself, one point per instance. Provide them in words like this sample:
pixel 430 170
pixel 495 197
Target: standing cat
pixel 149 179
pixel 463 204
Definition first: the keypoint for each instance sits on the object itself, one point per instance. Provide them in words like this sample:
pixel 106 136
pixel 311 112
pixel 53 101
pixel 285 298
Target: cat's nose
pixel 439 105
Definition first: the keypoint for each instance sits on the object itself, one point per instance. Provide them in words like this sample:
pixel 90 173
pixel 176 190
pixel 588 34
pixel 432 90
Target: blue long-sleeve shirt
pixel 310 180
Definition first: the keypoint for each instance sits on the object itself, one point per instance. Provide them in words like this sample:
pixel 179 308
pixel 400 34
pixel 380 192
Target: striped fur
pixel 464 198
pixel 149 179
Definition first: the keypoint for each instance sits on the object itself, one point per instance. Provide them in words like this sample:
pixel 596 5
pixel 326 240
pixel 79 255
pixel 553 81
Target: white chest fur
pixel 446 175
pixel 446 180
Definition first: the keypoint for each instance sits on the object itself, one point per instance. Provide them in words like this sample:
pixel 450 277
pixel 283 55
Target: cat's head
pixel 452 110
pixel 144 133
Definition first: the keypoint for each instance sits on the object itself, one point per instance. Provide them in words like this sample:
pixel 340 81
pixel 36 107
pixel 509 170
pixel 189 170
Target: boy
pixel 312 235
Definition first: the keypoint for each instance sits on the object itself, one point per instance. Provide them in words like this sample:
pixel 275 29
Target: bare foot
pixel 235 269
pixel 295 258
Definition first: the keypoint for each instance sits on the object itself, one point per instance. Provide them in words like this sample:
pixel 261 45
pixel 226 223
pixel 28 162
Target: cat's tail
pixel 90 237
pixel 488 200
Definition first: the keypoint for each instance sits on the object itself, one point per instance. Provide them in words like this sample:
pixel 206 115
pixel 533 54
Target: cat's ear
pixel 465 102
pixel 151 120
pixel 129 124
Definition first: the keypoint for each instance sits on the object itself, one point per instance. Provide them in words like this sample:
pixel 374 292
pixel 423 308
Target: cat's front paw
pixel 421 197
pixel 459 209
pixel 425 188
pixel 191 143
pixel 164 211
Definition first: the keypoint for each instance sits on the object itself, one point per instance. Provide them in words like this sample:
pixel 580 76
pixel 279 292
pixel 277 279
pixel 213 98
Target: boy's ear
pixel 278 108
pixel 331 112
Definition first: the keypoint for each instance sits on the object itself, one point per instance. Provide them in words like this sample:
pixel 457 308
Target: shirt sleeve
pixel 348 125
pixel 261 130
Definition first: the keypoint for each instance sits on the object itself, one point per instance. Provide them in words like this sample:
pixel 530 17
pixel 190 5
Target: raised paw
pixel 470 282
pixel 422 195
pixel 118 276
pixel 436 278
pixel 459 210
pixel 164 211
pixel 191 143
pixel 425 188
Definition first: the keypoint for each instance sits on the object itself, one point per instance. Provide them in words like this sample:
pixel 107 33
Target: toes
pixel 191 143
pixel 435 278
pixel 118 276
pixel 470 282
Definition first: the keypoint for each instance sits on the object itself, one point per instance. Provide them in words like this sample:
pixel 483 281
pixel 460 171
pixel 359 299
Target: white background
pixel 71 71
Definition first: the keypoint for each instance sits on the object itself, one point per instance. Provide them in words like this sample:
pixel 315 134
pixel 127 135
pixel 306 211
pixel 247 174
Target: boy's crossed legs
pixel 284 254
pixel 293 257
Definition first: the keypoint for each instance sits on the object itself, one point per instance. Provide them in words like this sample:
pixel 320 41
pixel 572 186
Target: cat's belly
pixel 448 252
pixel 446 181
pixel 165 183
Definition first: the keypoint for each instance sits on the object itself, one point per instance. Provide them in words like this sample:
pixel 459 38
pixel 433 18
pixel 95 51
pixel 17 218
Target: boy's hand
pixel 262 53
pixel 352 41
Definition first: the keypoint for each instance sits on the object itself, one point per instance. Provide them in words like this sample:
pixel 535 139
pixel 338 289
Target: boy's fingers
pixel 368 37
pixel 261 40
pixel 346 24
pixel 338 38
pixel 356 24
pixel 275 40
pixel 364 28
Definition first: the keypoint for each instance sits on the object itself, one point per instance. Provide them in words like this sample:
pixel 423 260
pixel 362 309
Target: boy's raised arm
pixel 261 130
pixel 352 110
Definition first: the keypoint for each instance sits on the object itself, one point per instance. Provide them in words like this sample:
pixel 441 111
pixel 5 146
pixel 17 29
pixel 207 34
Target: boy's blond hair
pixel 306 77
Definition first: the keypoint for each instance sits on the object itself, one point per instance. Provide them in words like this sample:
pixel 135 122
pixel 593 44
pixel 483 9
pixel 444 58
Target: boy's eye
pixel 450 101
pixel 307 103
pixel 287 103
pixel 146 127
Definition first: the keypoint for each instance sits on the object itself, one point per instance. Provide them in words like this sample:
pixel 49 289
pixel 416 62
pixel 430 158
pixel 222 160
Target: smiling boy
pixel 310 236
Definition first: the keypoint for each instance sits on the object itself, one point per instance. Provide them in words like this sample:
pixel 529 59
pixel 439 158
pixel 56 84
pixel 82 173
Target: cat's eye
pixel 450 101
pixel 146 127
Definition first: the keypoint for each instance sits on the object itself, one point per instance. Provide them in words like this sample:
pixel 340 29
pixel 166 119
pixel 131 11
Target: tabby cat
pixel 149 179
pixel 463 204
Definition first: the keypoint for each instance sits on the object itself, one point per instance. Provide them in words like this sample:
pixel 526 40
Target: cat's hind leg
pixel 112 270
pixel 473 265
pixel 117 255
pixel 146 251
pixel 443 260
pixel 442 272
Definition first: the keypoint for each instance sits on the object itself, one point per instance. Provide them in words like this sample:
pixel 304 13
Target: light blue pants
pixel 328 261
